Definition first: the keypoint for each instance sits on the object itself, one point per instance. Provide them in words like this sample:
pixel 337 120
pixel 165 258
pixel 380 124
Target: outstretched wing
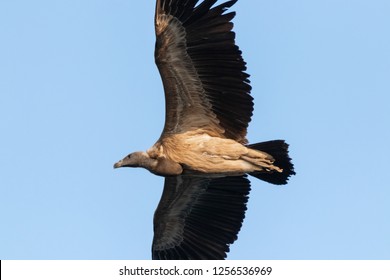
pixel 202 69
pixel 199 217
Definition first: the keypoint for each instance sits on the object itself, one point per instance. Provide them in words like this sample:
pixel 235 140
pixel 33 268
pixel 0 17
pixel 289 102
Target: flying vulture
pixel 203 152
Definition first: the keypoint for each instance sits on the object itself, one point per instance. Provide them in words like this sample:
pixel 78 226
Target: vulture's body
pixel 203 151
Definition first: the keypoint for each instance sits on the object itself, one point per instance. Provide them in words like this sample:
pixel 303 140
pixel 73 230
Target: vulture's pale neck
pixel 137 159
pixel 160 166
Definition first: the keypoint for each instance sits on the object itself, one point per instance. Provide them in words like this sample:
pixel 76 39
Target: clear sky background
pixel 79 90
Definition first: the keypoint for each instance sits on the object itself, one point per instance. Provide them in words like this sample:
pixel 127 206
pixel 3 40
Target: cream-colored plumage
pixel 198 151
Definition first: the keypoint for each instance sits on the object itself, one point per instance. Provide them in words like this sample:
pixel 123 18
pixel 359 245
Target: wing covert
pixel 202 69
pixel 199 217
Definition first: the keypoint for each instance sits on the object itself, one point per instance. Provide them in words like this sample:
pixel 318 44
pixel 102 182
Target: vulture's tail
pixel 278 149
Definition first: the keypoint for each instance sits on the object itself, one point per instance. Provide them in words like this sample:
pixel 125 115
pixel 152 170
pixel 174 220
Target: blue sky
pixel 79 90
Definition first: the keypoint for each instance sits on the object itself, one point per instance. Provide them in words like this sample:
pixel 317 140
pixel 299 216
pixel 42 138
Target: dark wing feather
pixel 202 69
pixel 198 217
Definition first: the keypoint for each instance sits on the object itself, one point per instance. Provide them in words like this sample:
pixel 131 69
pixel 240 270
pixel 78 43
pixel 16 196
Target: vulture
pixel 203 152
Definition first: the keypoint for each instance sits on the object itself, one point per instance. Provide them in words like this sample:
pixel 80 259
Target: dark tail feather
pixel 278 149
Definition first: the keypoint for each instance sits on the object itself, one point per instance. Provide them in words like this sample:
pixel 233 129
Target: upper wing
pixel 202 69
pixel 199 217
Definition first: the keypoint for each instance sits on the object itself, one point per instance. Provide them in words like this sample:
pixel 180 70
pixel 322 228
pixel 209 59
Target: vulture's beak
pixel 118 164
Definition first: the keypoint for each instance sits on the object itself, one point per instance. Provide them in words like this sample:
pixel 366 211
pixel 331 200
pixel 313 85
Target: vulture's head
pixel 135 159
